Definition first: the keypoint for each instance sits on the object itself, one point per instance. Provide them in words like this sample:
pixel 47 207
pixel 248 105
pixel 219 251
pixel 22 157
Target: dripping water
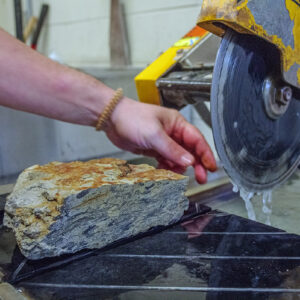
pixel 247 197
pixel 267 206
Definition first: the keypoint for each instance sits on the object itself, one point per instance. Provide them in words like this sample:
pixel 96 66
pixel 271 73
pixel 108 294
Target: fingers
pixel 205 154
pixel 194 140
pixel 200 173
pixel 162 162
pixel 177 144
pixel 174 168
pixel 170 150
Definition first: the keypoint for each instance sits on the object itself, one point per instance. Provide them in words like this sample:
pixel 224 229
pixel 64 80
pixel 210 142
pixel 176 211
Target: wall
pixel 78 32
pixel 7 16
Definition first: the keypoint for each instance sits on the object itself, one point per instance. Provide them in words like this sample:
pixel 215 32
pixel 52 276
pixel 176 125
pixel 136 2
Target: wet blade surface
pixel 258 152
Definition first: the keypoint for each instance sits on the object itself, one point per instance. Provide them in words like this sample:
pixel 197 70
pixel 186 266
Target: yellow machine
pixel 146 81
pixel 276 21
pixel 254 85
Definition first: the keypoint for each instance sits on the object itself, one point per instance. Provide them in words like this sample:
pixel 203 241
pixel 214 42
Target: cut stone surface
pixel 65 207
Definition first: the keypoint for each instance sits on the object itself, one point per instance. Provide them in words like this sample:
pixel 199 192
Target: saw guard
pixel 258 17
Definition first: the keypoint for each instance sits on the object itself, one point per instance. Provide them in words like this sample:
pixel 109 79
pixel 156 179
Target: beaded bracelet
pixel 109 109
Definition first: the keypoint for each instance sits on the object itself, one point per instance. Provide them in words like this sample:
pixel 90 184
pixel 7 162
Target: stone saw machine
pixel 253 85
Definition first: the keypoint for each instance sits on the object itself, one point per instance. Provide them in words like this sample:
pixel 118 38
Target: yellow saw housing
pixel 277 21
pixel 146 80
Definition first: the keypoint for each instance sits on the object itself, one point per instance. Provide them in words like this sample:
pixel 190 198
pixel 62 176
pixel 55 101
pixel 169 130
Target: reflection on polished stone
pixel 285 206
pixel 211 256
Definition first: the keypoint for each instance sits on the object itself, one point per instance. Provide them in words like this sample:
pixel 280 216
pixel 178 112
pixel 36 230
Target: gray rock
pixel 65 207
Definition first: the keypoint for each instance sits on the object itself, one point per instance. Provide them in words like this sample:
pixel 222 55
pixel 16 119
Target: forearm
pixel 33 83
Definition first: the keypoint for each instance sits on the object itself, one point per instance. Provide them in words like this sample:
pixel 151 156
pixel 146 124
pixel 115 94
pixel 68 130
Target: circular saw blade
pixel 257 152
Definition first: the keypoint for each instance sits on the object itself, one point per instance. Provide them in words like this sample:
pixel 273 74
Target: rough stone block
pixel 65 207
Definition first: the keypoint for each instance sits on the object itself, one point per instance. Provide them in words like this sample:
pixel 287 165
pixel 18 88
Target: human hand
pixel 161 133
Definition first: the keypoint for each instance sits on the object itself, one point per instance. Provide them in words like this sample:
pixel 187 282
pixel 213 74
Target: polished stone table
pixel 210 255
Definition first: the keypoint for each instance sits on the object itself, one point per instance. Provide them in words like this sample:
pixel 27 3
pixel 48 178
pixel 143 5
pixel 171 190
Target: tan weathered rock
pixel 8 292
pixel 65 207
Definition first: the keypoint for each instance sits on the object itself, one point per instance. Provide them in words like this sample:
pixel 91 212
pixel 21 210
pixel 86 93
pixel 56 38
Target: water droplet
pixel 235 124
pixel 267 206
pixel 247 196
pixel 235 188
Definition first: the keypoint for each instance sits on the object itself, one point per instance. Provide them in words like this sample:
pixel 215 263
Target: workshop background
pixel 77 33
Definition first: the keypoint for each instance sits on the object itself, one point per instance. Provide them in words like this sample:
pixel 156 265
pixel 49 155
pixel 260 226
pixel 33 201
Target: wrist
pixel 121 108
pixel 108 110
pixel 98 101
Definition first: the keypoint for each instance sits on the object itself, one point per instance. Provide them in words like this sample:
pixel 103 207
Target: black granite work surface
pixel 211 256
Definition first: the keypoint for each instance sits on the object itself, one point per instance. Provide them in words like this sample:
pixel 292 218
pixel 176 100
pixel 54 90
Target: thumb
pixel 170 150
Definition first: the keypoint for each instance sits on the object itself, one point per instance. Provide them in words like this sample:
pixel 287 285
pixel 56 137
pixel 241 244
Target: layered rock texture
pixel 65 207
